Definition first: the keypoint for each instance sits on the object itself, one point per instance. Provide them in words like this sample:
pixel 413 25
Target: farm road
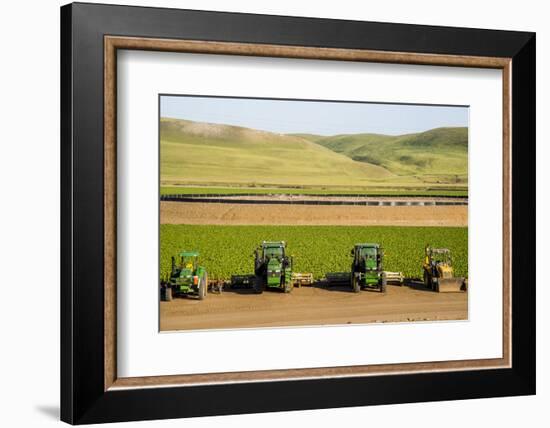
pixel 311 306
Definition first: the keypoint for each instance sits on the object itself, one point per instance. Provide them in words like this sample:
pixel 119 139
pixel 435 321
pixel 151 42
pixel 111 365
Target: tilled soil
pixel 275 214
pixel 312 306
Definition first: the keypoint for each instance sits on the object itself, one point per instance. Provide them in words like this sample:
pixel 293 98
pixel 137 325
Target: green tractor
pixel 366 268
pixel 186 278
pixel 272 267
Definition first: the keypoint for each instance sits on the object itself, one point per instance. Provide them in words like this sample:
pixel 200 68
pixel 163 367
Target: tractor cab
pixel 439 255
pixel 187 264
pixel 273 250
pixel 367 257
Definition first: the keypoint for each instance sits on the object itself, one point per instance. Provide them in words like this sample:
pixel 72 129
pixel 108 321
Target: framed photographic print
pixel 266 213
pixel 310 193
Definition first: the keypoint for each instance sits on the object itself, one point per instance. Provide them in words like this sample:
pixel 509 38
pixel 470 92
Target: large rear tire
pixel 427 280
pixel 355 285
pixel 383 283
pixel 168 294
pixel 203 286
pixel 258 285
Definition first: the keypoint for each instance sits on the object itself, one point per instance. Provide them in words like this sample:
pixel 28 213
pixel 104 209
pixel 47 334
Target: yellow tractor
pixel 439 272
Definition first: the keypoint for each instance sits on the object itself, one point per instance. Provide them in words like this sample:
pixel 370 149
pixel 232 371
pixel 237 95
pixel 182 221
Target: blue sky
pixel 315 117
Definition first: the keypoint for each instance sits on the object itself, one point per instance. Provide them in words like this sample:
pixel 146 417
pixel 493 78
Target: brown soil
pixel 250 214
pixel 312 306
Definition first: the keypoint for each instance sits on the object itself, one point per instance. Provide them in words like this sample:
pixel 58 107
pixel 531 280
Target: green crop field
pixel 184 190
pixel 227 250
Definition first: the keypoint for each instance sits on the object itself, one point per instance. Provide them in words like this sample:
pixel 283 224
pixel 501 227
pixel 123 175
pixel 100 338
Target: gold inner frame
pixel 113 43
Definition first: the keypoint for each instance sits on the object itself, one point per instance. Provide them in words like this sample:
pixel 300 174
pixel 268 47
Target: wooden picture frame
pixel 91 390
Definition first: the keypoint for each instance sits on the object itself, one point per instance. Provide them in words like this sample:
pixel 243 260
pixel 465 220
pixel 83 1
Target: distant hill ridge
pixel 436 151
pixel 196 152
pixel 201 152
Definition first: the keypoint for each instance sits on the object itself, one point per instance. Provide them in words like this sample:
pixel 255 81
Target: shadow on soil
pixel 413 283
pixel 343 288
pixel 416 284
pixel 240 290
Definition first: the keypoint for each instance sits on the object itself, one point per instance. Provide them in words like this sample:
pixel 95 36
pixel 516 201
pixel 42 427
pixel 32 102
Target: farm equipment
pixel 439 272
pixel 338 278
pixel 272 267
pixel 186 277
pixel 242 281
pixel 216 286
pixel 299 279
pixel 394 277
pixel 366 268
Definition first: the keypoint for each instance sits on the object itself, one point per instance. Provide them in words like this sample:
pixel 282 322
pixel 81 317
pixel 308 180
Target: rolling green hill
pixel 204 153
pixel 437 152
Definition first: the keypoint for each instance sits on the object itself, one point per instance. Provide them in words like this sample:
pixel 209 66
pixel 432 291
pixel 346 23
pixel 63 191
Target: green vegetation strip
pixel 175 190
pixel 227 250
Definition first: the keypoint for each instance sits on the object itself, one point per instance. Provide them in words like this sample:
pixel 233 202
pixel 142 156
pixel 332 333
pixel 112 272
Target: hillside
pixel 440 151
pixel 203 153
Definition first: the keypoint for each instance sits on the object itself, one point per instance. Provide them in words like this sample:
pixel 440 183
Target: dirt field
pixel 312 306
pixel 250 214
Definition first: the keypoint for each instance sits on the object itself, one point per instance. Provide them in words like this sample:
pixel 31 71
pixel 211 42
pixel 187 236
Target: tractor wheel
pixel 383 283
pixel 258 285
pixel 168 294
pixel 355 284
pixel 288 288
pixel 203 286
pixel 435 285
pixel 427 280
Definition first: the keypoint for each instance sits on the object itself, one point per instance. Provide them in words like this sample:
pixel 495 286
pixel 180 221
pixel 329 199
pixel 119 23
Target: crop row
pixel 227 250
pixel 398 192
